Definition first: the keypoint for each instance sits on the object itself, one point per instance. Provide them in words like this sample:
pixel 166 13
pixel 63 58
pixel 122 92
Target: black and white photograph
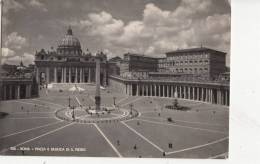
pixel 115 78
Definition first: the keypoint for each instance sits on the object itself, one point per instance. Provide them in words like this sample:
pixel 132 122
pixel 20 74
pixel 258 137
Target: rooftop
pixel 197 49
pixel 142 55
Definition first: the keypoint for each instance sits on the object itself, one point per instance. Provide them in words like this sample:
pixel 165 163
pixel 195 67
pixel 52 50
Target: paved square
pixel 32 128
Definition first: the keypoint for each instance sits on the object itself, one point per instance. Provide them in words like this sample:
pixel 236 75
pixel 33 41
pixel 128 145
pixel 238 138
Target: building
pixel 68 63
pixel 201 62
pixel 137 66
pixel 192 74
pixel 114 65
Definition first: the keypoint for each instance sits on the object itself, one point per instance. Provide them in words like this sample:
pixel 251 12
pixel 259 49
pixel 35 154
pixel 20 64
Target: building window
pixel 191 61
pixel 206 61
pixel 205 69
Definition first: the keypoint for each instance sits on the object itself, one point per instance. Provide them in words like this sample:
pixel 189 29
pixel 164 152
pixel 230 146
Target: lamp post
pixel 69 101
pixel 73 113
pixel 131 108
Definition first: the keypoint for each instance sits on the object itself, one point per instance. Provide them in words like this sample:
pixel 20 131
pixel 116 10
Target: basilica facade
pixel 68 63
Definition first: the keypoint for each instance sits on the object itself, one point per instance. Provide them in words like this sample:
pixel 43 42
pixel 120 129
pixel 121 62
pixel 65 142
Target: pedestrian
pixel 118 142
pixel 135 147
pixel 164 154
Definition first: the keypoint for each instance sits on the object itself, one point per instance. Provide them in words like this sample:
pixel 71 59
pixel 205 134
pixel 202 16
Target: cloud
pixel 159 31
pixel 27 59
pixel 7 53
pixel 38 4
pixel 103 24
pixel 15 41
pixel 12 5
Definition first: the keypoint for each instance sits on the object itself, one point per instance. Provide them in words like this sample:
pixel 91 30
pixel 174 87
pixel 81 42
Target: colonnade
pixel 206 93
pixel 14 91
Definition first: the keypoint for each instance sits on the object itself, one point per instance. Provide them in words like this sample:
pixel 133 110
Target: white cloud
pixel 15 41
pixel 27 59
pixel 191 24
pixel 6 52
pixel 38 4
pixel 103 24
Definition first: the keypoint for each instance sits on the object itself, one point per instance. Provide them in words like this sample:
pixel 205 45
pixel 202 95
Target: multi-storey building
pixel 201 62
pixel 135 65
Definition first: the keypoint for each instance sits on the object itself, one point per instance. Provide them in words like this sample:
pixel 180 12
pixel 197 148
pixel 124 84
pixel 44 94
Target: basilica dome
pixel 69 44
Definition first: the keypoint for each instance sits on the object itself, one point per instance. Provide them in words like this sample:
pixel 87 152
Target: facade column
pixel 167 89
pixel 80 74
pixel 159 90
pixel 226 97
pixel 69 74
pixel 143 90
pixel 137 89
pixel 180 90
pixel 189 92
pixel 211 95
pixel 176 91
pixel 172 93
pixel 218 97
pixel 65 75
pixel 164 91
pixel 55 75
pixel 83 75
pixel 62 75
pixel 89 75
pixel 202 94
pixel 155 90
pixel 198 93
pixel 193 93
pixel 76 75
pixel 17 90
pixel 184 90
pixel 151 89
pixel 147 90
pixel 221 97
pixel 219 92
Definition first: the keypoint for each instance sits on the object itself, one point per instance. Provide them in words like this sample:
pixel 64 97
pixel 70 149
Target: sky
pixel 150 27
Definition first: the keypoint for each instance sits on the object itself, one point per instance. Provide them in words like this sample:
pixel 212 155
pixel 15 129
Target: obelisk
pixel 97 97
